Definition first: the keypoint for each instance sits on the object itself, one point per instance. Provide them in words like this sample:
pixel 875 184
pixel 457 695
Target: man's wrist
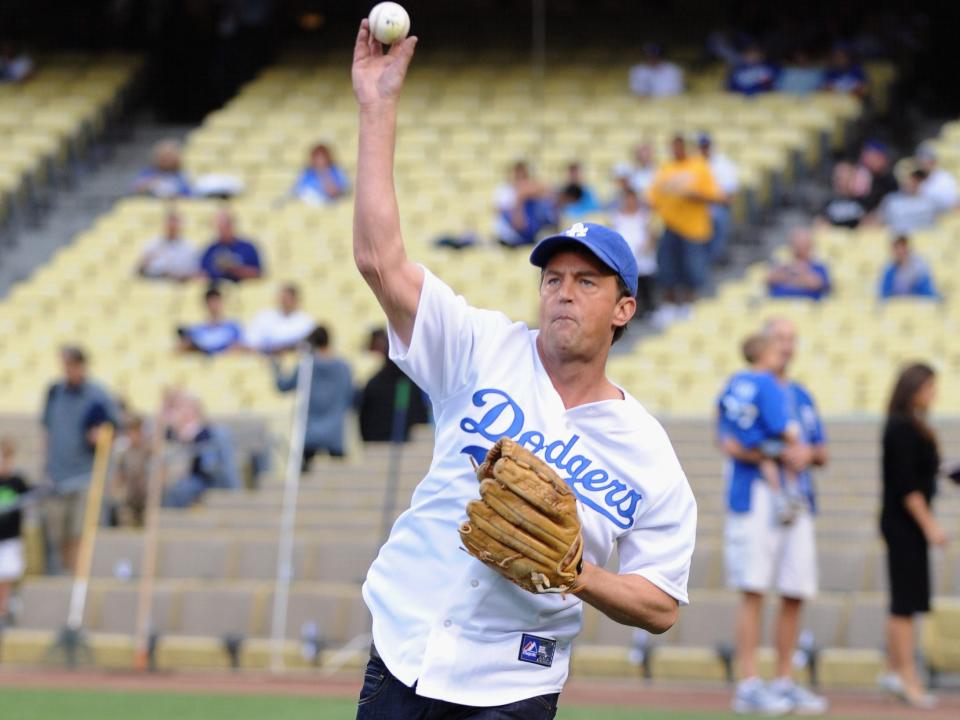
pixel 378 109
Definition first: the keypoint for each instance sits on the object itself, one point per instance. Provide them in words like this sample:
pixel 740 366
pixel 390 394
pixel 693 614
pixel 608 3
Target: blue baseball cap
pixel 609 247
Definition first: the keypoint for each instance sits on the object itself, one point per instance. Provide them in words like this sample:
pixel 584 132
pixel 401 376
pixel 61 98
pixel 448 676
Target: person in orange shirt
pixel 681 194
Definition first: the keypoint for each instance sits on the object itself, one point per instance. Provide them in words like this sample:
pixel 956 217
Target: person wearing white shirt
pixel 277 330
pixel 726 176
pixel 655 77
pixel 170 256
pixel 632 221
pixel 939 186
pixel 451 636
pixel 644 169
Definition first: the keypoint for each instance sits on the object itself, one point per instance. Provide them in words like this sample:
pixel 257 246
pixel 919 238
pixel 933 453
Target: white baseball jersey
pixel 441 618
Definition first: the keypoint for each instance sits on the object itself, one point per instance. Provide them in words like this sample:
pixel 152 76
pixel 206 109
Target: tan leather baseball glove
pixel 525 524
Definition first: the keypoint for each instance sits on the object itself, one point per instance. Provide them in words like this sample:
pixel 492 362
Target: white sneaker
pixel 664 316
pixel 803 700
pixel 891 683
pixel 755 698
pixel 921 701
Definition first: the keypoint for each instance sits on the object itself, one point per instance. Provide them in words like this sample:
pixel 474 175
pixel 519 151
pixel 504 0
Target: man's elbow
pixel 663 619
pixel 366 265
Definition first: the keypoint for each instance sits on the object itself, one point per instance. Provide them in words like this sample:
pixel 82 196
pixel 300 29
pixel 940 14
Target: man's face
pixel 643 155
pixel 801 243
pixel 173 227
pixel 900 253
pixel 679 148
pixel 784 334
pixel 225 227
pixel 874 160
pixel 215 306
pixel 288 302
pixel 579 305
pixel 74 372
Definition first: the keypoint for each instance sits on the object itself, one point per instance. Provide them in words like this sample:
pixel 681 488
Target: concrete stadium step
pixel 200 609
pixel 327 557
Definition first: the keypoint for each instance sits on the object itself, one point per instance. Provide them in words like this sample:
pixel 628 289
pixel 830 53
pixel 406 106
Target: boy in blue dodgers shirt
pixel 753 409
pixel 452 638
pixel 760 553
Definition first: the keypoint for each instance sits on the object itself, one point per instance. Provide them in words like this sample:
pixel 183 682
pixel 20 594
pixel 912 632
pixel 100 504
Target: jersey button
pixel 474 583
pixel 447 623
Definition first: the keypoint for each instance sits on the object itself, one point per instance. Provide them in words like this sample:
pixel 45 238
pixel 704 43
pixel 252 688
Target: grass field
pixel 100 705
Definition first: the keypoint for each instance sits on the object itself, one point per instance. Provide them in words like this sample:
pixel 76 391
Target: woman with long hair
pixel 911 461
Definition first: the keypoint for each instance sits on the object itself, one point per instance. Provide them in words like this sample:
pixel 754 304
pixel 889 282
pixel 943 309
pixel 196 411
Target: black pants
pixel 383 697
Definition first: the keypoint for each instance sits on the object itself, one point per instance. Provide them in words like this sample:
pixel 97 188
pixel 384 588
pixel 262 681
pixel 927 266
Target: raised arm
pixel 377 244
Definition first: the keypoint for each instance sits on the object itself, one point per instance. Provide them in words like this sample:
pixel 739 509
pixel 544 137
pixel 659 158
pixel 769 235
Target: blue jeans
pixel 383 697
pixel 682 262
pixel 185 492
pixel 722 221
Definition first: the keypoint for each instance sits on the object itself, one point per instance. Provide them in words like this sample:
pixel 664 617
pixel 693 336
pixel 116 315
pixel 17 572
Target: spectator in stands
pixel 843 209
pixel 131 474
pixel 74 411
pixel 844 74
pixel 800 76
pixel 386 393
pixel 280 330
pixel 801 276
pixel 169 257
pixel 907 210
pixel 575 198
pixel 207 449
pixel 644 169
pixel 753 74
pixel 907 275
pixel 323 181
pixel 621 178
pixel 331 393
pixel 655 77
pixel 760 553
pixel 524 208
pixel 873 177
pixel 216 334
pixel 15 65
pixel 12 563
pixel 911 462
pixel 230 257
pixel 725 175
pixel 164 178
pixel 940 185
pixel 681 195
pixel 632 221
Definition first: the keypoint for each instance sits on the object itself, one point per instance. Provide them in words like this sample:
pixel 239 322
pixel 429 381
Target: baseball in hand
pixel 389 22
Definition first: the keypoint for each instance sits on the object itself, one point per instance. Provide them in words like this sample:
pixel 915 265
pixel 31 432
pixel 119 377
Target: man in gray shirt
pixel 75 408
pixel 907 210
pixel 331 395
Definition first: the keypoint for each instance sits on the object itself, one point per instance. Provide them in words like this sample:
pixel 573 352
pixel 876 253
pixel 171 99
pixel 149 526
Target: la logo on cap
pixel 576 231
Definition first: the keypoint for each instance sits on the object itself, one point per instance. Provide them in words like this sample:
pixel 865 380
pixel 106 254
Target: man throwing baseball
pixel 475 609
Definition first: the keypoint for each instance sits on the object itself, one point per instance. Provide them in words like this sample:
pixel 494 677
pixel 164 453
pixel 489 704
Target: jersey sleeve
pixel 815 434
pixel 448 335
pixel 660 545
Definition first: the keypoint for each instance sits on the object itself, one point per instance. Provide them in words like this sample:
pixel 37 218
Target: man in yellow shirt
pixel 681 194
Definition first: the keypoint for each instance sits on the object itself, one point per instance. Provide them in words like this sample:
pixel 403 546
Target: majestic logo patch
pixel 537 650
pixel 595 487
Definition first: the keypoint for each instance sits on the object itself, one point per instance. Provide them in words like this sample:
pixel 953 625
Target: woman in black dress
pixel 911 461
